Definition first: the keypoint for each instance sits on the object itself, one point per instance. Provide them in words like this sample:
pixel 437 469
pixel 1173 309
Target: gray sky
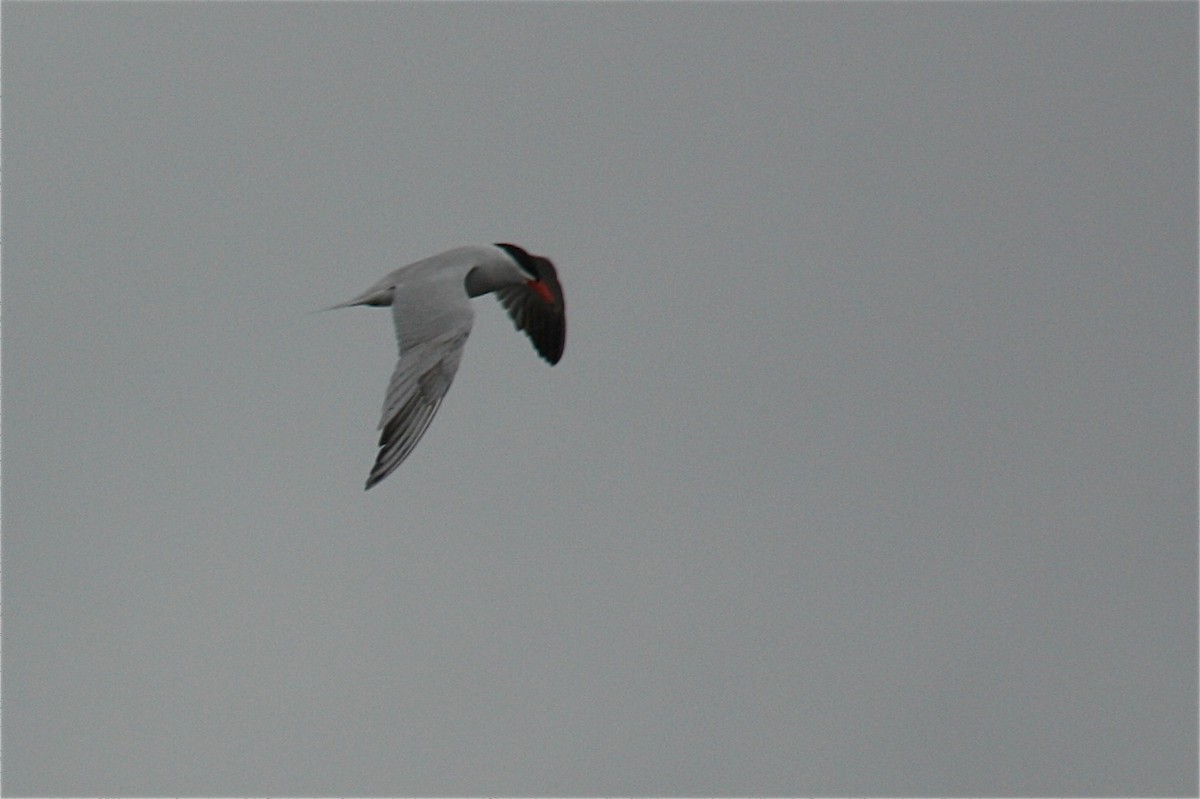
pixel 870 466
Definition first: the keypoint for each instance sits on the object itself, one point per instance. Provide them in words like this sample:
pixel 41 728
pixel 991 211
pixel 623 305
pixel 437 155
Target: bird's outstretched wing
pixel 420 381
pixel 538 308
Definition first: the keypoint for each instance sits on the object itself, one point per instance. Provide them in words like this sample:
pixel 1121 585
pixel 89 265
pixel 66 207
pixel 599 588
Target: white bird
pixel 431 307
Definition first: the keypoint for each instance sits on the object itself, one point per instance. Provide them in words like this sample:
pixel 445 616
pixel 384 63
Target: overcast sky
pixel 869 468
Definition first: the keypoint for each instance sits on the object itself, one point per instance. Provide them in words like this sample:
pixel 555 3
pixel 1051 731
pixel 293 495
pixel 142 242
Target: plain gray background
pixel 870 466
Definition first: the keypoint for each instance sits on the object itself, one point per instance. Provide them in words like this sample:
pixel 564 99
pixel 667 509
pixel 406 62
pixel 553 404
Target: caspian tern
pixel 431 306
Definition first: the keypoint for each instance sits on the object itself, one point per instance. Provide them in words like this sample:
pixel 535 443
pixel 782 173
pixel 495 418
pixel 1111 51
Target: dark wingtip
pixel 554 349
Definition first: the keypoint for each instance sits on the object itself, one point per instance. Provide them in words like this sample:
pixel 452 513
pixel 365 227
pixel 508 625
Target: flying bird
pixel 431 306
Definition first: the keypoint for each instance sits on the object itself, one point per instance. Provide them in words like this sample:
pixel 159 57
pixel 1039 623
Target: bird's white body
pixel 431 307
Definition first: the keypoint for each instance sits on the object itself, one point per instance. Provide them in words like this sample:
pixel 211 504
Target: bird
pixel 431 308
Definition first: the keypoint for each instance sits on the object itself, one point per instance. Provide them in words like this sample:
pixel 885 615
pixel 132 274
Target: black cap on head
pixel 521 256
